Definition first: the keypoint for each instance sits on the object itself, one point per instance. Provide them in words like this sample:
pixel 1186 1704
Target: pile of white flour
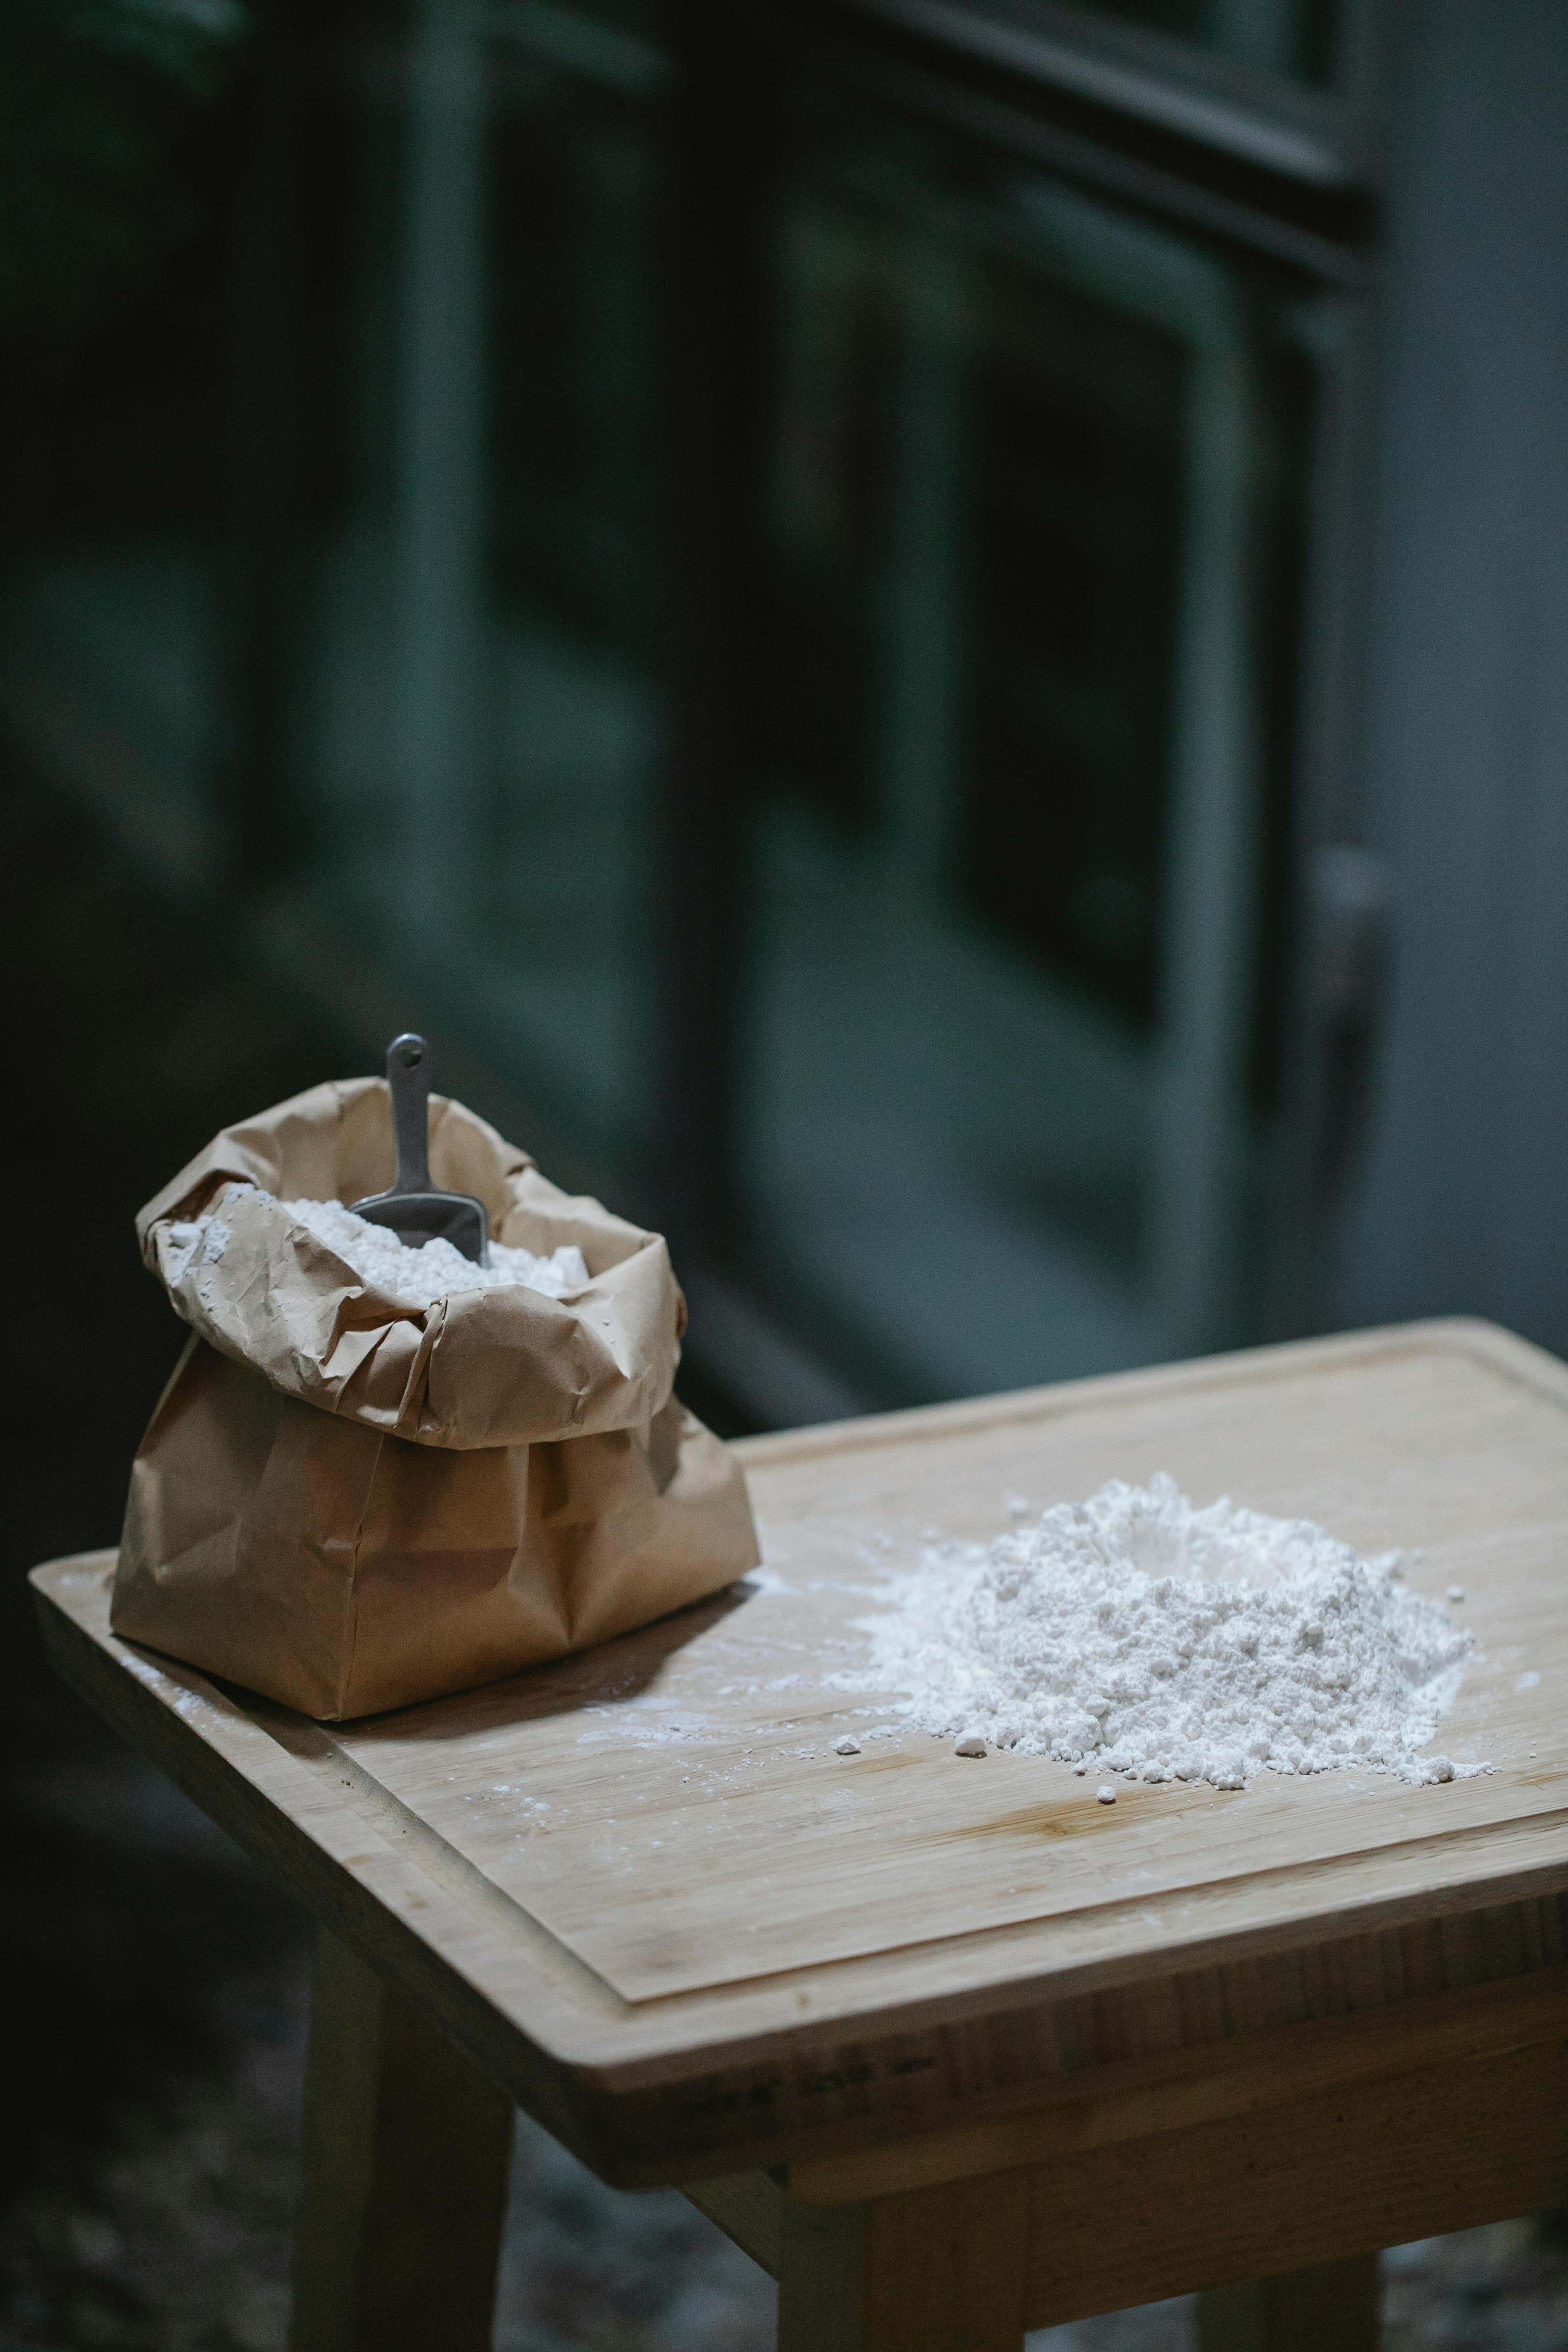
pixel 1135 1634
pixel 415 1277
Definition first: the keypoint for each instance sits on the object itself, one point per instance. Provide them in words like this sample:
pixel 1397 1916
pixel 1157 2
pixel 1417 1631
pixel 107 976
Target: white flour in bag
pixel 1126 1633
pixel 415 1277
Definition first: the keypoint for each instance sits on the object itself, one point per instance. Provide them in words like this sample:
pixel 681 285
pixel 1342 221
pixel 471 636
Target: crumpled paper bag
pixel 350 1504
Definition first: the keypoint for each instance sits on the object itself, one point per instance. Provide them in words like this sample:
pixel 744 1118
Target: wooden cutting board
pixel 642 1885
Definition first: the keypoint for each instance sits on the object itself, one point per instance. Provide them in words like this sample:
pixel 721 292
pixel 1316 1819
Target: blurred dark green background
pixel 926 639
pixel 769 624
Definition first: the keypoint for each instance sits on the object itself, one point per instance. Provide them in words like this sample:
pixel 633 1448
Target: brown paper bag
pixel 351 1504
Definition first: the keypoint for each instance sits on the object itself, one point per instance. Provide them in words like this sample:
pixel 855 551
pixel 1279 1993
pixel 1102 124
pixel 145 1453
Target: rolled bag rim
pixel 498 1367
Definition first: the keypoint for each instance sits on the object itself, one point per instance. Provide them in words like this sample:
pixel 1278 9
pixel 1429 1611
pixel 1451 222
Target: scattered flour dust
pixel 414 1275
pixel 1128 1633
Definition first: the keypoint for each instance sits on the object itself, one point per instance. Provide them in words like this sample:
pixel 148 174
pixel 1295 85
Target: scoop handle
pixel 408 1076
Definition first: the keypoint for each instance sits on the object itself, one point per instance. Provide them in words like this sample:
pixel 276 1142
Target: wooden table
pixel 953 2049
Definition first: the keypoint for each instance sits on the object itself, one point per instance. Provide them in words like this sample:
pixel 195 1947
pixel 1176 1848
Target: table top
pixel 643 1889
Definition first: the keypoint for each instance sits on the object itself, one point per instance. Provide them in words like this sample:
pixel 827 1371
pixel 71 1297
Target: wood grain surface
pixel 642 1889
pixel 405 2159
pixel 1258 2201
pixel 1335 2304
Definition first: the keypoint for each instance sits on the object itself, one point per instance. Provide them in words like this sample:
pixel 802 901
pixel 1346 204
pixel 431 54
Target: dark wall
pixel 1464 1202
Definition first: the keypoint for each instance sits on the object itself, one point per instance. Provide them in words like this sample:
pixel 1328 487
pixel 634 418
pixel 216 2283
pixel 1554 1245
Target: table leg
pixel 1334 2308
pixel 933 2270
pixel 404 2163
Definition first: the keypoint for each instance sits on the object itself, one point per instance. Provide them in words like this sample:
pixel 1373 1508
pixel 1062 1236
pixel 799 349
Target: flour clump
pixel 413 1274
pixel 1162 1642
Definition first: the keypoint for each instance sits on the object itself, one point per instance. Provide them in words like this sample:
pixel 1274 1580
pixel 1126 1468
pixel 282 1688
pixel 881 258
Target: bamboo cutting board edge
pixel 646 2104
pixel 598 2069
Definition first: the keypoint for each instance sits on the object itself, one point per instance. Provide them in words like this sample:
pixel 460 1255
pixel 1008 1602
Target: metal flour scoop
pixel 412 1210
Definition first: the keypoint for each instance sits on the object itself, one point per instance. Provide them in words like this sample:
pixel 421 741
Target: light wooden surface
pixel 1313 2184
pixel 405 2158
pixel 942 2270
pixel 642 1891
